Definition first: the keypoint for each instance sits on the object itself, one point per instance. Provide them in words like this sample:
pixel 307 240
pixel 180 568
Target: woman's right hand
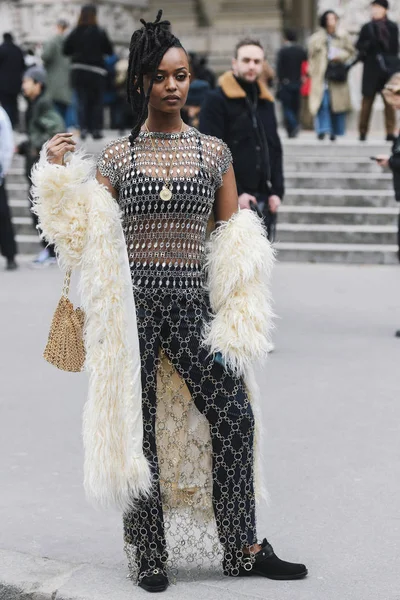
pixel 58 147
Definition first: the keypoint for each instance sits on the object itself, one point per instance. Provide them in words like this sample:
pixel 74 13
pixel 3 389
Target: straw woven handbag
pixel 65 348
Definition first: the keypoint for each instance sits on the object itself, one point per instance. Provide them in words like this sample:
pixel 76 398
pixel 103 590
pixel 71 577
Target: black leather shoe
pixel 391 137
pixel 267 564
pixel 11 265
pixel 363 137
pixel 321 136
pixel 155 581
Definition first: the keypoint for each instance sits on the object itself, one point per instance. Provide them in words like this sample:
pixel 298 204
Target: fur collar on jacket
pixel 233 90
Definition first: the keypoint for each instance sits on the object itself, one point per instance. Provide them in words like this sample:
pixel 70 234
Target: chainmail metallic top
pixel 166 239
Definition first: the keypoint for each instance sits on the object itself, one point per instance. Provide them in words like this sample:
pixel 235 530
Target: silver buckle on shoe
pixel 248 565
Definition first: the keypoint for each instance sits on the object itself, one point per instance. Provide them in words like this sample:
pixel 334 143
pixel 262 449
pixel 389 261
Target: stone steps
pixel 337 234
pixel 382 254
pixel 339 204
pixel 338 197
pixel 342 151
pixel 253 11
pixel 338 180
pixel 316 164
pixel 338 215
pixel 177 11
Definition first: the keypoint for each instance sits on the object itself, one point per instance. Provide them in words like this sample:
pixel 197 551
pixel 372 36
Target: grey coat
pixel 58 70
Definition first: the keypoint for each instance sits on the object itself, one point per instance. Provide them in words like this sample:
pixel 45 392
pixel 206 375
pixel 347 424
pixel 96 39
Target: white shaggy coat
pixel 239 264
pixel 82 219
pixel 80 216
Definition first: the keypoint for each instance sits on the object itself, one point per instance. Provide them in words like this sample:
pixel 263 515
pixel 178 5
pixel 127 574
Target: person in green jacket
pixel 57 66
pixel 42 123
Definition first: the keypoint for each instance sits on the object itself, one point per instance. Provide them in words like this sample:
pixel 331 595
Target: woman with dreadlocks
pixel 169 429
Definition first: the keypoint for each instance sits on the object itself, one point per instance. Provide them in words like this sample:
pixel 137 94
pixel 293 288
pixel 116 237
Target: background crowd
pixel 86 76
pixel 77 82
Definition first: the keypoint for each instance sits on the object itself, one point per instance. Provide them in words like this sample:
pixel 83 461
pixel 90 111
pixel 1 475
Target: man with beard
pixel 241 111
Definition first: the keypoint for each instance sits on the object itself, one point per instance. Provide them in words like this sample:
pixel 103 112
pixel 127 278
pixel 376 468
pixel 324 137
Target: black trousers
pixel 8 245
pixel 175 324
pixel 289 95
pixel 398 237
pixel 29 163
pixel 89 89
pixel 10 104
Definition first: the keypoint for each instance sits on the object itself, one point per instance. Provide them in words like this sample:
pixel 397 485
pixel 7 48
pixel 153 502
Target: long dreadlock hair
pixel 147 48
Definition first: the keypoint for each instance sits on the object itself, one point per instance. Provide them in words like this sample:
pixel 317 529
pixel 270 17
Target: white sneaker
pixel 270 347
pixel 43 260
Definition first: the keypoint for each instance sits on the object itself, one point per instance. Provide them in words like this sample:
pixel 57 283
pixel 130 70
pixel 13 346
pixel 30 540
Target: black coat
pixel 394 164
pixel 370 47
pixel 12 66
pixel 88 44
pixel 288 63
pixel 225 114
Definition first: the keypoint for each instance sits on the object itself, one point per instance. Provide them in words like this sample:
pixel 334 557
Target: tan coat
pixel 318 63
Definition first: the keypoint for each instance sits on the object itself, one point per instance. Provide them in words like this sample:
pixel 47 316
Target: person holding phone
pixel 391 93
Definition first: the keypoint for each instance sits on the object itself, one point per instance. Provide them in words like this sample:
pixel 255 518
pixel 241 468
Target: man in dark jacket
pixel 288 70
pixel 241 112
pixel 12 66
pixel 42 122
pixel 391 94
pixel 378 45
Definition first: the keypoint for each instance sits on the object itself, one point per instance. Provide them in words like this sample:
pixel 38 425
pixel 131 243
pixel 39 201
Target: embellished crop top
pixel 166 238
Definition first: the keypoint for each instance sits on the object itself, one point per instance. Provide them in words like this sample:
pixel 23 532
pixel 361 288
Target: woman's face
pixel 331 22
pixel 171 83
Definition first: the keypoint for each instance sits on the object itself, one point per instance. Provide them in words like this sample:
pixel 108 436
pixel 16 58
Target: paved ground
pixel 331 406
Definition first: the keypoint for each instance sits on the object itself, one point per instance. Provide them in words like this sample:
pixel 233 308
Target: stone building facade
pixel 354 13
pixel 32 21
pixel 210 27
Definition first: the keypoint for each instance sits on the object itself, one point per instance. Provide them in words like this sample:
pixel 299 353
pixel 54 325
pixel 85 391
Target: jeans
pixel 289 95
pixel 327 121
pixel 62 109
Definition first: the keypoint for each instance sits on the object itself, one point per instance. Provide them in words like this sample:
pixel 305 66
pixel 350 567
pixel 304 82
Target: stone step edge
pixel 22 238
pixel 336 175
pixel 345 210
pixel 22 220
pixel 338 192
pixel 325 158
pixel 315 227
pixel 319 247
pixel 19 203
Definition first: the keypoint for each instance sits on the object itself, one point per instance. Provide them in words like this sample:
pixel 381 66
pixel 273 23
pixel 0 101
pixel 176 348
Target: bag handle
pixel 67 283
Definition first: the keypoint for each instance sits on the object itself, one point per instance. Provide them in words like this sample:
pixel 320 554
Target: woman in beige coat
pixel 329 100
